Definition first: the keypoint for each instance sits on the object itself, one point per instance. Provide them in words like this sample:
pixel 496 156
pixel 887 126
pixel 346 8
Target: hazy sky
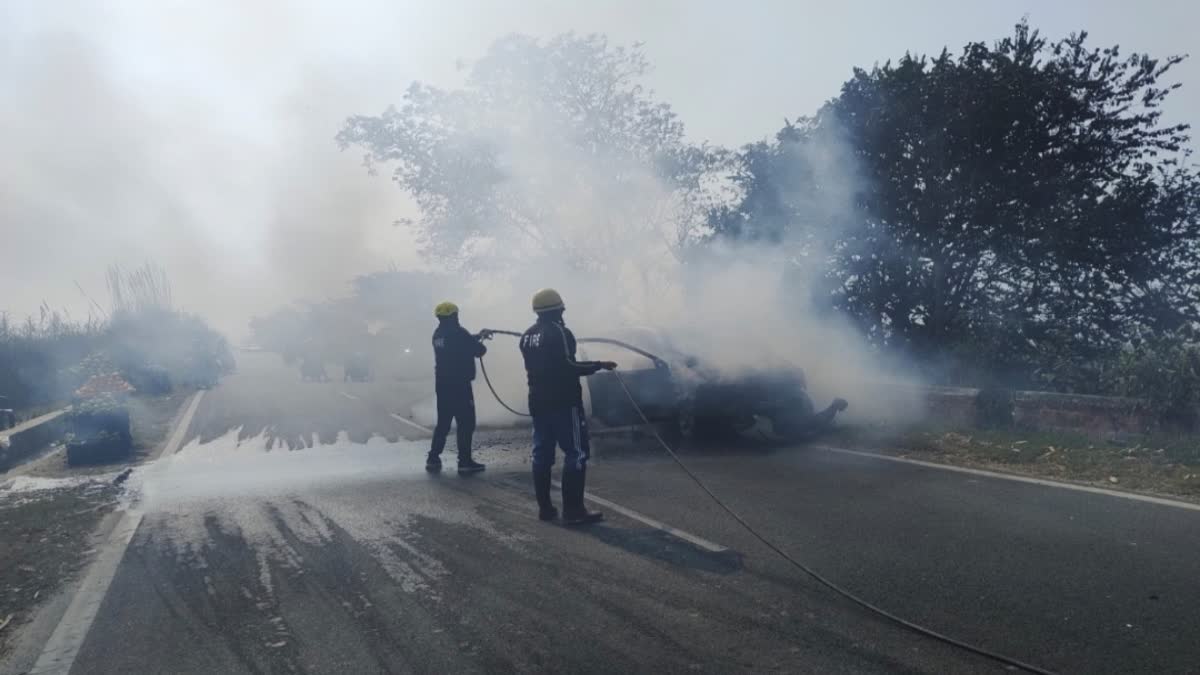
pixel 199 134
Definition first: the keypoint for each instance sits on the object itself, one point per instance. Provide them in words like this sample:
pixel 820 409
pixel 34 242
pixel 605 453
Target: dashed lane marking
pixel 673 531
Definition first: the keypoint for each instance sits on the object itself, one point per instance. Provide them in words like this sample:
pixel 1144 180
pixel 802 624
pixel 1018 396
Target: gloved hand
pixel 608 365
pixel 484 335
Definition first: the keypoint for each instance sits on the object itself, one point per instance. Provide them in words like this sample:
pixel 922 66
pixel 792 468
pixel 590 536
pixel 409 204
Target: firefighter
pixel 454 352
pixel 556 405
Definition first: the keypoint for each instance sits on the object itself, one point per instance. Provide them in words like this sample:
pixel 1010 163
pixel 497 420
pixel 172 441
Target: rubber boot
pixel 541 488
pixel 469 465
pixel 574 512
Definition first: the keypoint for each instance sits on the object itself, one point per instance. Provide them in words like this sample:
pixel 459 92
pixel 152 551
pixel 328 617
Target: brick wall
pixel 1099 417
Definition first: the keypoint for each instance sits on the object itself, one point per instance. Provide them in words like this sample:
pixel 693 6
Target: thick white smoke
pixel 199 139
pixel 614 239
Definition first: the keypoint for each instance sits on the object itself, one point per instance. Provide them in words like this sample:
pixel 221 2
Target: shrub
pixel 161 348
pixel 1164 370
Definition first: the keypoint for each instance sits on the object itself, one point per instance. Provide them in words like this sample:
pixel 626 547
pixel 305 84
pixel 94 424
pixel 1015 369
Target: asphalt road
pixel 341 555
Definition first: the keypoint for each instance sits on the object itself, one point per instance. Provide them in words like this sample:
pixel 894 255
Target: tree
pixel 1009 200
pixel 548 149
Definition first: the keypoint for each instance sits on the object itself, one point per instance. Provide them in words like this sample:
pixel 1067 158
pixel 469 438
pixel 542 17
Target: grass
pixel 1165 465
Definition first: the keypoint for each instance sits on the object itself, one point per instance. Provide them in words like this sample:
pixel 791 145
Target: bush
pixel 161 348
pixel 35 356
pixel 1164 370
pixel 149 379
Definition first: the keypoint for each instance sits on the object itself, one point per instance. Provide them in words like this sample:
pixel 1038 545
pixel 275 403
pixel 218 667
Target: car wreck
pixel 679 391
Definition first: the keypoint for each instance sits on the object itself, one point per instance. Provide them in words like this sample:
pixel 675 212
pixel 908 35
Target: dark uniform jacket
pixel 454 353
pixel 549 350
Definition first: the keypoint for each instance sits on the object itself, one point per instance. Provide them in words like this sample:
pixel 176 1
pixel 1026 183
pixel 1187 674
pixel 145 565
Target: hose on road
pixel 817 576
pixel 905 623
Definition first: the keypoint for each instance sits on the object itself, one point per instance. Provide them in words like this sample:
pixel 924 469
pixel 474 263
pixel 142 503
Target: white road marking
pixel 350 396
pixel 676 532
pixel 410 423
pixel 1161 501
pixel 58 655
pixel 176 440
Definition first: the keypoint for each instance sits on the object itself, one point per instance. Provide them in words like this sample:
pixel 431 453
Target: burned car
pixel 679 391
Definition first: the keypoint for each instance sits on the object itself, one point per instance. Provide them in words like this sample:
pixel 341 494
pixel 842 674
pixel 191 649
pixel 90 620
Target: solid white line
pixel 676 532
pixel 176 439
pixel 410 423
pixel 352 397
pixel 1161 501
pixel 58 655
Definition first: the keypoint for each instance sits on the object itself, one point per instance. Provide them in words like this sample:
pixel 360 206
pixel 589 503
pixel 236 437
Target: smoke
pixel 198 140
pixel 202 141
pixel 628 247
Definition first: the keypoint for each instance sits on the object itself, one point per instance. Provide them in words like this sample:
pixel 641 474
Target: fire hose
pixel 817 576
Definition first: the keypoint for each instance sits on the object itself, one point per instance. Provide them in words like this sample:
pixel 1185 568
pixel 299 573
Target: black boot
pixel 469 465
pixel 541 488
pixel 574 512
pixel 433 462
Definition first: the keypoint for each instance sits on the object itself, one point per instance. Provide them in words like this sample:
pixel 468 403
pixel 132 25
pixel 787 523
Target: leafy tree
pixel 549 148
pixel 1012 199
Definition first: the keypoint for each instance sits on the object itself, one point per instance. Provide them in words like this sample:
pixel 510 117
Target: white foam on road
pixel 272 498
pixel 231 466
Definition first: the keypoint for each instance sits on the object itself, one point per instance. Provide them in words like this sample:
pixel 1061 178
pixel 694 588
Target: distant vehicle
pixel 677 389
pixel 312 370
pixel 357 368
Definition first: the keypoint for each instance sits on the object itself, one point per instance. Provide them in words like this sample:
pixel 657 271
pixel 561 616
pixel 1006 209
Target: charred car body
pixel 677 390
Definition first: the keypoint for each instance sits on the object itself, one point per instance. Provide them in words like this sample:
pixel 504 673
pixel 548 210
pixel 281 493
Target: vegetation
pixel 370 325
pixel 1021 213
pixel 1014 214
pixel 487 203
pixel 149 343
pixel 1164 370
pixel 1163 464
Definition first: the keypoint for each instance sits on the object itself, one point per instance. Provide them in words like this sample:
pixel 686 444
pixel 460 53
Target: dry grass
pixel 1165 465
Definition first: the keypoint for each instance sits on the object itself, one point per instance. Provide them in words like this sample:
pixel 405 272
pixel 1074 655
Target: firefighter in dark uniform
pixel 454 352
pixel 556 405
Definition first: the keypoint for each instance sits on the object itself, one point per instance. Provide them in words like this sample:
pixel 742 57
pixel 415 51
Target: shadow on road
pixel 661 546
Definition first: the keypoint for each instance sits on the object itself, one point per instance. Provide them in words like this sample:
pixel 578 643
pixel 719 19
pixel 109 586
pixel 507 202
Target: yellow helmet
pixel 547 300
pixel 445 309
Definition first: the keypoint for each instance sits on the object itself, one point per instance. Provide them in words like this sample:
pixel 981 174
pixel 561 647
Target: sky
pixel 199 135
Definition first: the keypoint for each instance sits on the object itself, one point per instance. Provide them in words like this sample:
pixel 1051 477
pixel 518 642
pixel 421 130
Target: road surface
pixel 334 552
